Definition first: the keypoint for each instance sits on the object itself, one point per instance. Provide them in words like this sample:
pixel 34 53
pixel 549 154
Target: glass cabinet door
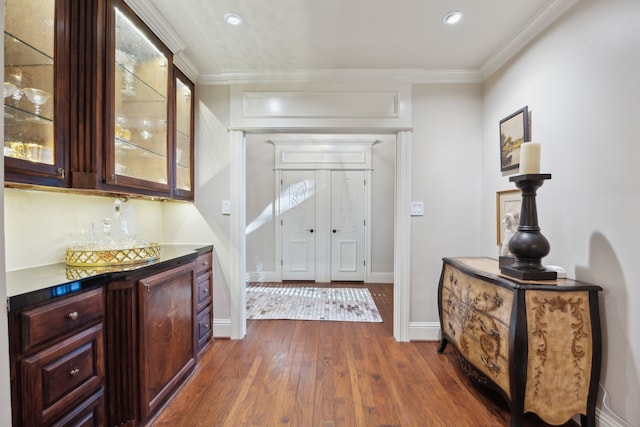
pixel 29 89
pixel 140 155
pixel 183 136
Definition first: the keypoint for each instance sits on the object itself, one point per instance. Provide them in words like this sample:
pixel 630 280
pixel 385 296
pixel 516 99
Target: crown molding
pixel 530 32
pixel 334 75
pixel 185 65
pixel 158 24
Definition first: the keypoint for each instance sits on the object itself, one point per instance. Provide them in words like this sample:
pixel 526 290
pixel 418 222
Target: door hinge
pixel 364 262
pixel 282 182
pixel 364 222
pixel 281 262
pixel 281 222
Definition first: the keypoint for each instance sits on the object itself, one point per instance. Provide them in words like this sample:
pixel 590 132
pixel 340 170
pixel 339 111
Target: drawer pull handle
pixel 73 315
pixel 206 326
pixel 74 372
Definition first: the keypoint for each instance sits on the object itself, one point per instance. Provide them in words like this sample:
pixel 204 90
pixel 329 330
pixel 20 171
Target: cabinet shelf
pixel 18 116
pixel 19 53
pixel 125 145
pixel 135 89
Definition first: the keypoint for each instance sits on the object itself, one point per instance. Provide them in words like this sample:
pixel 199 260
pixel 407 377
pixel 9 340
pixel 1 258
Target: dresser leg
pixel 516 420
pixel 588 420
pixel 442 345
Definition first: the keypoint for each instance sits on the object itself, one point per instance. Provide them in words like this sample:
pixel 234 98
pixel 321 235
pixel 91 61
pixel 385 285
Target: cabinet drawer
pixel 204 262
pixel 62 375
pixel 89 413
pixel 203 327
pixel 44 323
pixel 203 292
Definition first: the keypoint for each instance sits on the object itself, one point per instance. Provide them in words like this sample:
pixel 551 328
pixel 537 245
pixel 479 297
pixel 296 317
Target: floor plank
pixel 332 374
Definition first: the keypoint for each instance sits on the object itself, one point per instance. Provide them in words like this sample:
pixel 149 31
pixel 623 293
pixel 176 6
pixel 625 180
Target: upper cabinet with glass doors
pixel 137 128
pixel 33 86
pixel 93 102
pixel 183 133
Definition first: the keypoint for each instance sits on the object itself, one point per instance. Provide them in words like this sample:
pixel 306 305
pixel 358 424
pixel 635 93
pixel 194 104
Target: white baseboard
pixel 424 331
pixel 221 328
pixel 272 276
pixel 263 276
pixel 378 277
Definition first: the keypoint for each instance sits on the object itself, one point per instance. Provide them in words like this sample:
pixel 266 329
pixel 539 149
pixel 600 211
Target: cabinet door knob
pixel 73 315
pixel 74 372
pixel 205 290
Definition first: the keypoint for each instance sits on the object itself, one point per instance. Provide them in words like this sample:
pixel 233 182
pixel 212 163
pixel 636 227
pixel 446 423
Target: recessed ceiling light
pixel 232 19
pixel 452 17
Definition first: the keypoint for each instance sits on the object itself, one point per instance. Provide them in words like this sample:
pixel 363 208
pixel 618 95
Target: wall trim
pixel 222 328
pixel 274 276
pixel 381 277
pixel 424 331
pixel 158 24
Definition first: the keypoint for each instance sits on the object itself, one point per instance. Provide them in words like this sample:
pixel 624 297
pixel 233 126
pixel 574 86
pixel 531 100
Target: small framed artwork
pixel 514 130
pixel 508 202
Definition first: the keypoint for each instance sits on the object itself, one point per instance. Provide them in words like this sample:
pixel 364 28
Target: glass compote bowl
pixel 10 89
pixel 37 97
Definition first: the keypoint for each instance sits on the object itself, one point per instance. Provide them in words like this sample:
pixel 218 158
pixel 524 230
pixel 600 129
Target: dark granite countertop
pixel 29 286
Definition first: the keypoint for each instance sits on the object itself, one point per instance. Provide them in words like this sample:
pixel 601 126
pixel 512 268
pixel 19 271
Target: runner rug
pixel 308 303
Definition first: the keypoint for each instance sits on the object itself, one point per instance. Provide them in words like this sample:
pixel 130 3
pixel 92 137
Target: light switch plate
pixel 226 207
pixel 417 208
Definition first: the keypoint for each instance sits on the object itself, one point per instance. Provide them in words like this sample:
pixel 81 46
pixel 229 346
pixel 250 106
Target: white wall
pixel 446 168
pixel 212 186
pixel 581 81
pixel 40 225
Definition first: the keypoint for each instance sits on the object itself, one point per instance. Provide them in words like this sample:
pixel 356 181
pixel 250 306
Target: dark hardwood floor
pixel 314 373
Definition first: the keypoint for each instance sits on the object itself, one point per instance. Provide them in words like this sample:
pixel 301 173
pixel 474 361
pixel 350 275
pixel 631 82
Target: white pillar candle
pixel 530 157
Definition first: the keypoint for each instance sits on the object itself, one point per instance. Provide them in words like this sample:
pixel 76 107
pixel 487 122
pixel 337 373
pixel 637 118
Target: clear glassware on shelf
pixel 37 97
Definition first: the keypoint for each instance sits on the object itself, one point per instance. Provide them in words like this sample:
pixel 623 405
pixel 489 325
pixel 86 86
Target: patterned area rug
pixel 307 303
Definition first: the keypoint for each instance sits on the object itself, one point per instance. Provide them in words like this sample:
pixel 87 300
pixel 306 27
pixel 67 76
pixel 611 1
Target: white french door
pixel 323 225
pixel 298 224
pixel 348 224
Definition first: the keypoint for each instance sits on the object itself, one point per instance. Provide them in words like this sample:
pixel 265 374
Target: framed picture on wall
pixel 508 202
pixel 514 130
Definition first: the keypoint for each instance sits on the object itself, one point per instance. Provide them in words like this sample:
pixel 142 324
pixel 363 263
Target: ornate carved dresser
pixel 537 343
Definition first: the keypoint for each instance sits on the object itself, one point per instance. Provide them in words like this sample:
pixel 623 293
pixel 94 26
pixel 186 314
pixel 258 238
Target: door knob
pixel 335 231
pixel 311 230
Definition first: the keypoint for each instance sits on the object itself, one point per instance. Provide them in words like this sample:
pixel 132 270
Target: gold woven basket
pixel 106 257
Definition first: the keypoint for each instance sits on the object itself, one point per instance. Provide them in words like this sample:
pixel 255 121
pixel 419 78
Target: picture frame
pixel 507 201
pixel 514 130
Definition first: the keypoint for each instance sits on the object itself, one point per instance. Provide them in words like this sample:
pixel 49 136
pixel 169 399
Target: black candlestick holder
pixel 528 245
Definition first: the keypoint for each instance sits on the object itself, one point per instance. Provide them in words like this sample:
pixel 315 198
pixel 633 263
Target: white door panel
pixel 348 225
pixel 298 218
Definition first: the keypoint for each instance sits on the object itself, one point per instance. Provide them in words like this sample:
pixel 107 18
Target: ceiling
pixel 288 37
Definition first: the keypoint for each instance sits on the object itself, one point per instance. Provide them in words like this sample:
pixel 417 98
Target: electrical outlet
pixel 417 208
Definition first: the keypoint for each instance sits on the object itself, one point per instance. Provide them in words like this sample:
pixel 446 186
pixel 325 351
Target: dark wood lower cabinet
pixel 58 377
pixel 167 349
pixel 113 355
pixel 150 342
